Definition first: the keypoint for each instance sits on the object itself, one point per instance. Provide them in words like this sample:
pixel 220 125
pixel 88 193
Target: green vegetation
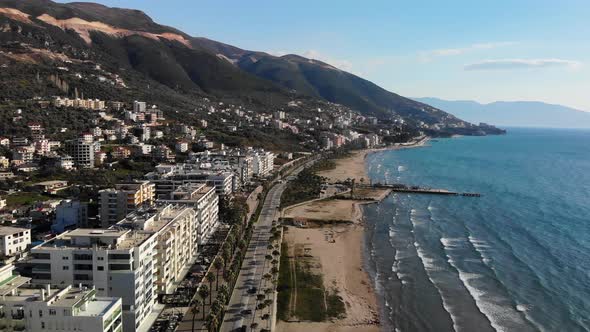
pixel 284 284
pixel 323 165
pixel 306 186
pixel 25 198
pixel 336 308
pixel 301 290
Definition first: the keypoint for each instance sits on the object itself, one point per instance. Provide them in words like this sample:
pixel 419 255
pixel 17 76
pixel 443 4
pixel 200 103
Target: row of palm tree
pixel 227 264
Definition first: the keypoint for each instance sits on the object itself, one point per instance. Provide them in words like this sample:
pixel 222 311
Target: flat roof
pixel 9 230
pixel 92 232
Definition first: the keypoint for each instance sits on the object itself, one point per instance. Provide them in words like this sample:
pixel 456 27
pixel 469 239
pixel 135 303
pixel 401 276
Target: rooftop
pixel 8 230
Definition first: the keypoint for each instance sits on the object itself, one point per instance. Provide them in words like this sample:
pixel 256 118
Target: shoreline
pixel 334 233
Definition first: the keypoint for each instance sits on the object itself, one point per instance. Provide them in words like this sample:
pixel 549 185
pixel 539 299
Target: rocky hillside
pixel 36 34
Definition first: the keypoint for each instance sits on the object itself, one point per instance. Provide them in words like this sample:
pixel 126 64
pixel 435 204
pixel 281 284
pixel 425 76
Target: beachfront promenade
pixel 242 309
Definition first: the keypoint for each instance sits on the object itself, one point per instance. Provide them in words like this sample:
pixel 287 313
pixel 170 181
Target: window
pixel 43 325
pixel 83 257
pixel 65 258
pixel 65 268
pixel 119 256
pixel 100 258
pixel 40 313
pixel 52 312
pixel 100 268
pixel 119 267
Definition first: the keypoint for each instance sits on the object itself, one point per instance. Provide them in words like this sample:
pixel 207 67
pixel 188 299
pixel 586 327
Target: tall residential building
pixel 204 200
pixel 14 240
pixel 24 307
pixel 139 106
pixel 82 152
pixel 115 204
pixel 143 255
pixel 70 214
pixel 263 163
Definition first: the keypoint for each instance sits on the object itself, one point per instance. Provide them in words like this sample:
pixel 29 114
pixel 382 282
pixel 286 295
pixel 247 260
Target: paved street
pixel 253 269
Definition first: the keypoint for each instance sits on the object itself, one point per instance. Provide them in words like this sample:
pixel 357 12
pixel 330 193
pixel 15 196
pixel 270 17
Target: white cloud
pixel 428 55
pixel 507 64
pixel 278 53
pixel 342 64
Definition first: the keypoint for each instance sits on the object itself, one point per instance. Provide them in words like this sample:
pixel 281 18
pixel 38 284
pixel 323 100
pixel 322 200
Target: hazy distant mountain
pixel 514 113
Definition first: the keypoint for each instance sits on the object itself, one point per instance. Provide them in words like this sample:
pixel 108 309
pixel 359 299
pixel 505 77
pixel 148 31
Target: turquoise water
pixel 516 259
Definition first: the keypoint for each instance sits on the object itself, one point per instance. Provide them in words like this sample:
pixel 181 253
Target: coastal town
pixel 140 223
pixel 151 181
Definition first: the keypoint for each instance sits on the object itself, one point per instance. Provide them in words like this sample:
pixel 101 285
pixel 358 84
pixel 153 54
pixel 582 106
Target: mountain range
pixel 514 113
pixel 128 43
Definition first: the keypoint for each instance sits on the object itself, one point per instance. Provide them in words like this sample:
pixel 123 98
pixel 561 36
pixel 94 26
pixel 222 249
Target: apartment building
pixel 263 163
pixel 169 177
pixel 70 214
pixel 204 200
pixel 82 152
pixel 143 255
pixel 24 307
pixel 14 240
pixel 115 204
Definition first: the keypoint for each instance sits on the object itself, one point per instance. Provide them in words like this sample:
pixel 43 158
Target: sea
pixel 515 259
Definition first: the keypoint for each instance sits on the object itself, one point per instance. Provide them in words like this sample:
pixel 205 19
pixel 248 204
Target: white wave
pixel 401 168
pixel 430 266
pixel 522 307
pixel 496 313
pixel 451 242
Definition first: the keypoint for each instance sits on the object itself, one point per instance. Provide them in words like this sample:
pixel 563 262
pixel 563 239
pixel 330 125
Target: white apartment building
pixel 263 163
pixel 168 177
pixel 115 204
pixel 82 152
pixel 2 203
pixel 181 146
pixel 146 253
pixel 139 106
pixel 24 307
pixel 204 200
pixel 14 240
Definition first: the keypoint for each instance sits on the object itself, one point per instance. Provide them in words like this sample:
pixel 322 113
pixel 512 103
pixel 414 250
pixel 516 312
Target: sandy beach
pixel 334 236
pixel 332 232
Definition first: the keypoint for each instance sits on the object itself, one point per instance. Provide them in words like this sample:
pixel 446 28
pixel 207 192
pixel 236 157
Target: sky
pixel 481 50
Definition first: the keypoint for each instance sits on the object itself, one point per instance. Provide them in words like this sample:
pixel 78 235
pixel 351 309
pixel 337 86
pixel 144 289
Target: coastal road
pixel 241 310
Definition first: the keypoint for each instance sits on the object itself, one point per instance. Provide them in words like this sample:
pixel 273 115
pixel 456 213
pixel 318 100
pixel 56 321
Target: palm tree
pixel 218 264
pixel 242 244
pixel 270 247
pixel 224 290
pixel 226 255
pixel 210 278
pixel 203 293
pixel 212 323
pixel 267 318
pixel 195 310
pixel 215 308
pixel 276 253
pixel 267 258
pixel 229 277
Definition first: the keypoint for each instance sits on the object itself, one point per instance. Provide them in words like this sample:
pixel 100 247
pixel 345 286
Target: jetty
pixel 421 190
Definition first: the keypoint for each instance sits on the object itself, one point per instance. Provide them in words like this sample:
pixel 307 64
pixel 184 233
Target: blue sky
pixel 482 50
